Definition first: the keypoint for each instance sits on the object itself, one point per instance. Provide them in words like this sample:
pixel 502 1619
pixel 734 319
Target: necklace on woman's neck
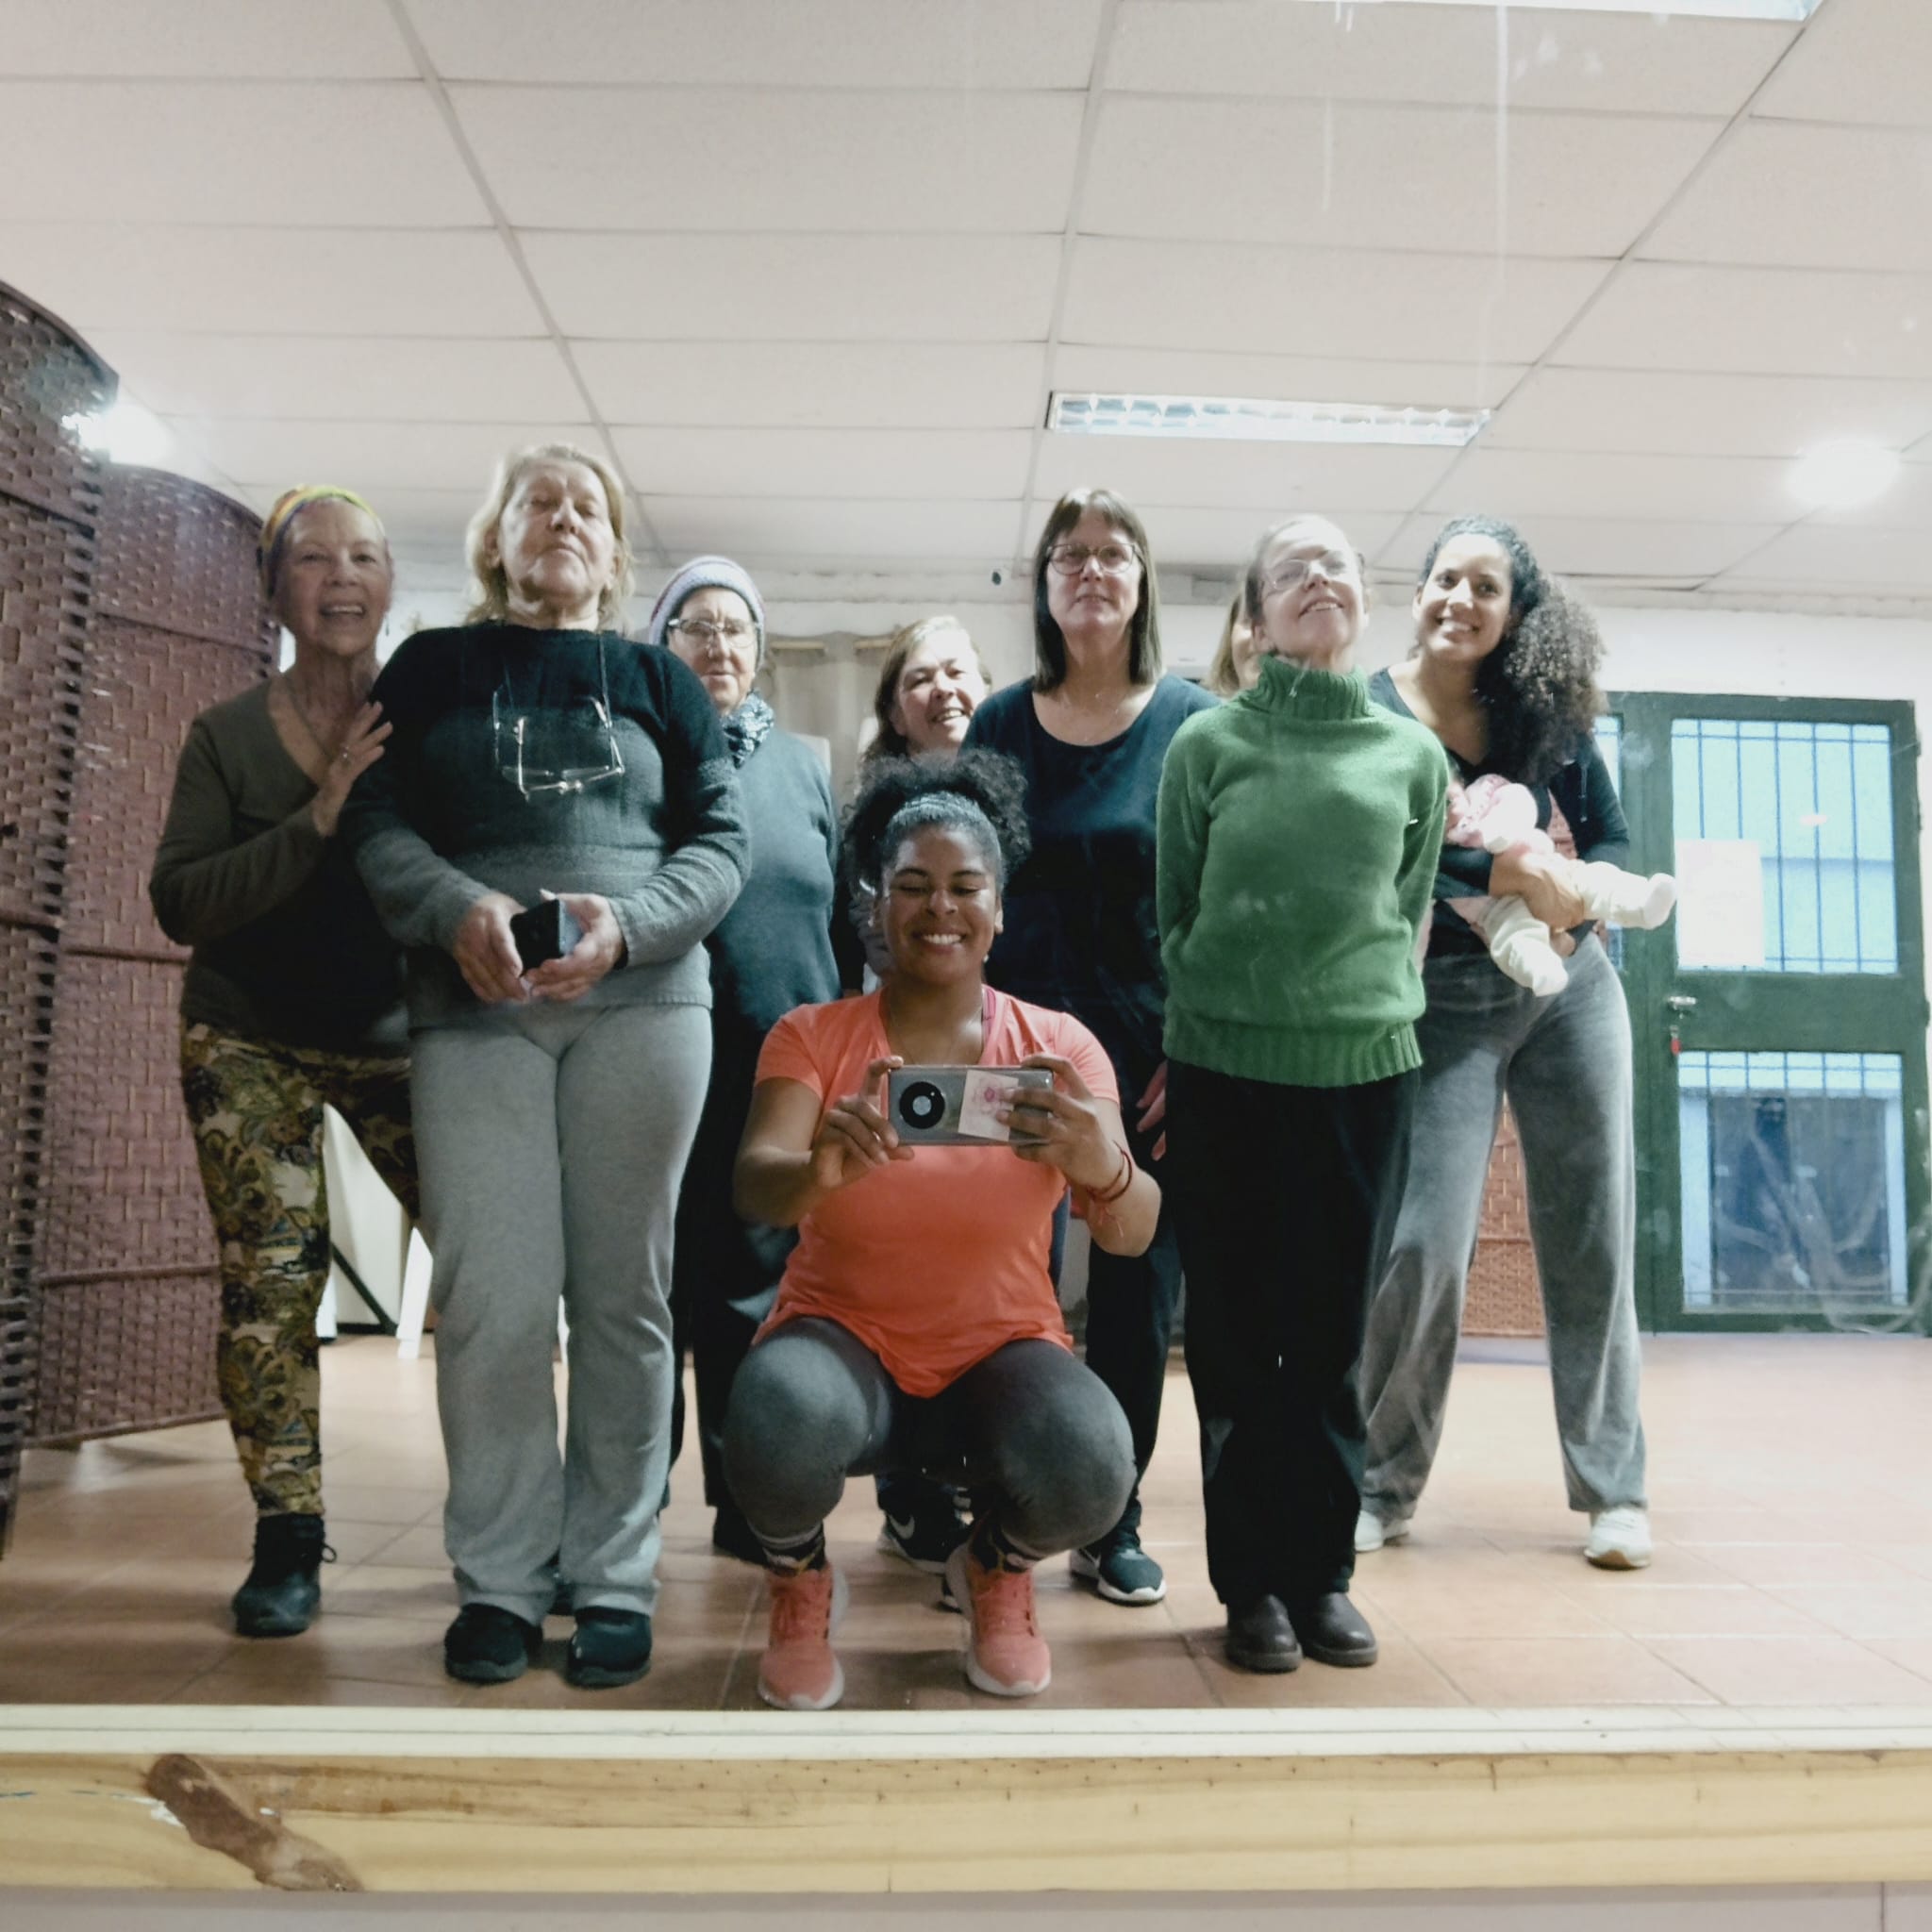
pixel 321 744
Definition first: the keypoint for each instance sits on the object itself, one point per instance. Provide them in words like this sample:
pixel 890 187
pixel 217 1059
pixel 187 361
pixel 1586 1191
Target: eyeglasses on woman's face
pixel 1115 560
pixel 701 633
pixel 1291 572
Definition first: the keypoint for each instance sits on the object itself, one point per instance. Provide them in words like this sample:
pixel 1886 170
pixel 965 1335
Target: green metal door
pixel 1779 1019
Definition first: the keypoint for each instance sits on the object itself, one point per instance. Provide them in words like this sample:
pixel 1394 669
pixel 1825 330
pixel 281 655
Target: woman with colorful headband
pixel 293 1000
pixel 546 765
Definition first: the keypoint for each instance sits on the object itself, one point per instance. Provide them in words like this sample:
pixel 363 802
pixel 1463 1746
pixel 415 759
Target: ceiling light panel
pixel 1241 419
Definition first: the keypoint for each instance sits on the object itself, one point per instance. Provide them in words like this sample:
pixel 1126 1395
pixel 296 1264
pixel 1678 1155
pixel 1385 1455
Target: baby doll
pixel 1493 815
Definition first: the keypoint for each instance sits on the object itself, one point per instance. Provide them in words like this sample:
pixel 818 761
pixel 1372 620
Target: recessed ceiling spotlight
pixel 1242 418
pixel 1844 475
pixel 1706 10
pixel 125 433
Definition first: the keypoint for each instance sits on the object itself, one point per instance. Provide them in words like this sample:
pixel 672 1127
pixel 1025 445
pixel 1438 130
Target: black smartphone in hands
pixel 544 931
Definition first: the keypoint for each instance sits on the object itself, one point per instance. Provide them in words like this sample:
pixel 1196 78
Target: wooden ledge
pixel 854 1802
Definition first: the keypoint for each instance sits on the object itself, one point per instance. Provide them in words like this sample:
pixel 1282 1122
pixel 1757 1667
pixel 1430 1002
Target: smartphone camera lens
pixel 922 1105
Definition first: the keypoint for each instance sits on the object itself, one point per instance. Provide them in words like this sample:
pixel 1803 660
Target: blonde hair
pixel 1224 674
pixel 489 581
pixel 889 741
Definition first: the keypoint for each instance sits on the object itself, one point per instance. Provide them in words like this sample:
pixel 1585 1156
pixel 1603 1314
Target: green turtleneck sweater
pixel 1299 829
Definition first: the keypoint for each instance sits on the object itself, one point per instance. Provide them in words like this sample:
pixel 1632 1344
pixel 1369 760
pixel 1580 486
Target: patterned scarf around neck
pixel 747 727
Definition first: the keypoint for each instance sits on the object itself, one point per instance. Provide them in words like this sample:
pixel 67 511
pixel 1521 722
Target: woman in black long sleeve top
pixel 1504 674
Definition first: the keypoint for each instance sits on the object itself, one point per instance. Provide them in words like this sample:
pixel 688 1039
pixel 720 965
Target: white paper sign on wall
pixel 1719 903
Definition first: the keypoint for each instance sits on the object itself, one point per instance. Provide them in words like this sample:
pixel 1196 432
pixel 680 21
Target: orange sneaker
pixel 1005 1654
pixel 799 1670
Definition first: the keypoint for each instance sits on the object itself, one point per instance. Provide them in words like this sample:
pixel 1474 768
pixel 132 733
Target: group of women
pixel 617 1055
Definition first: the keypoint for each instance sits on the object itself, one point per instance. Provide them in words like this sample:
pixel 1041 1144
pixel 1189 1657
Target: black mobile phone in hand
pixel 544 931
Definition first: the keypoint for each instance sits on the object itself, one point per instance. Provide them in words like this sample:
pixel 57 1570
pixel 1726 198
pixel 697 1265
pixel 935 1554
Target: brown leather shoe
pixel 1333 1631
pixel 1260 1637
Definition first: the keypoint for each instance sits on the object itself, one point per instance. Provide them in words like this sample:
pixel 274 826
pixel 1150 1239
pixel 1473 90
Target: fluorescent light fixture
pixel 1241 419
pixel 126 433
pixel 1793 11
pixel 1844 475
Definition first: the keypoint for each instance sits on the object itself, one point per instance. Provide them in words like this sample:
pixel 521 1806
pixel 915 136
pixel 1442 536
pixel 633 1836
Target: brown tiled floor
pixel 1790 1485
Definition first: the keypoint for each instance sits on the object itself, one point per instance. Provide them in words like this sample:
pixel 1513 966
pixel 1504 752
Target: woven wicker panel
pixel 132 1354
pixel 180 558
pixel 48 381
pixel 49 507
pixel 1504 1297
pixel 122 1191
pixel 44 568
pixel 131 1301
pixel 145 688
pixel 26 1018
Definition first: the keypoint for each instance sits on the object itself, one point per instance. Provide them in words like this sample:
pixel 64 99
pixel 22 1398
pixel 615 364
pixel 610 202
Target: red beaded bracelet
pixel 1117 1188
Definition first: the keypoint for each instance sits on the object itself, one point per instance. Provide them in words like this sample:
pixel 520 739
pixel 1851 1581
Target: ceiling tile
pixel 1364 174
pixel 1664 411
pixel 1615 62
pixel 372 456
pixel 1632 550
pixel 1641 549
pixel 820 531
pixel 1263 479
pixel 1906 505
pixel 1526 484
pixel 1216 542
pixel 855 385
pixel 408 379
pixel 1285 378
pixel 1760 320
pixel 1320 302
pixel 838 288
pixel 295 281
pixel 1860 60
pixel 963 464
pixel 710 159
pixel 752 43
pixel 1791 193
pixel 374 153
pixel 1818 558
pixel 421 522
pixel 213 39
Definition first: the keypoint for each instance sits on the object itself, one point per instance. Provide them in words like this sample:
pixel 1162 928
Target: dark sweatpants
pixel 1042 1443
pixel 1280 1193
pixel 725 1270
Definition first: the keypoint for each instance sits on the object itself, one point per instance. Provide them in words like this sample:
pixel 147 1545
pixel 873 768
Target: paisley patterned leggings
pixel 256 1108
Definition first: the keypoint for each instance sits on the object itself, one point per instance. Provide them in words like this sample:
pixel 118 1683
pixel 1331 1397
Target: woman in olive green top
pixel 293 999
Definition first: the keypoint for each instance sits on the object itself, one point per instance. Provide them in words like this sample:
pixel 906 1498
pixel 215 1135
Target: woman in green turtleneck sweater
pixel 1299 825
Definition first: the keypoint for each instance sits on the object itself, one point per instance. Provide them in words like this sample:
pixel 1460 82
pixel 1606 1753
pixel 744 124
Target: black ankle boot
pixel 281 1592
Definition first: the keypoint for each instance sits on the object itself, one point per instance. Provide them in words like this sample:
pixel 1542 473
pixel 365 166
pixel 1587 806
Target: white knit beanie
pixel 705 574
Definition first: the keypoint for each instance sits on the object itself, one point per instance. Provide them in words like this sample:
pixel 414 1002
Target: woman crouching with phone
pixel 916 1324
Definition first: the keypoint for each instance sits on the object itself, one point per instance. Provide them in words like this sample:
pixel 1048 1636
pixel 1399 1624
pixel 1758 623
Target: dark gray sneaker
pixel 928 1531
pixel 1119 1569
pixel 488 1645
pixel 610 1647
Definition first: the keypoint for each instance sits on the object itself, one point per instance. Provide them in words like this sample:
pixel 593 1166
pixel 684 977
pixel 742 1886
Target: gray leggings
pixel 551 1142
pixel 1564 1062
pixel 812 1405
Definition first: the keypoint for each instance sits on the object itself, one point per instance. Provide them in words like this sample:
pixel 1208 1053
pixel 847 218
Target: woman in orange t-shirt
pixel 916 1324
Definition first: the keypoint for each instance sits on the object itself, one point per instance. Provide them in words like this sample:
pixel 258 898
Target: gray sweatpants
pixel 1564 1062
pixel 551 1142
pixel 1036 1435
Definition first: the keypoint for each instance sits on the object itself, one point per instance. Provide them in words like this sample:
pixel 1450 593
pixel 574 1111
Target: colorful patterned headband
pixel 275 526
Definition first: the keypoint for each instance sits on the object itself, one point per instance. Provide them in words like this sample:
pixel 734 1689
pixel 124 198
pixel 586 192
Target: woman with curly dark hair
pixel 1503 673
pixel 916 1323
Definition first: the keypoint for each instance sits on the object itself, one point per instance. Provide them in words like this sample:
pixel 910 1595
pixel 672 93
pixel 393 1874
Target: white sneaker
pixel 1372 1531
pixel 1618 1539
